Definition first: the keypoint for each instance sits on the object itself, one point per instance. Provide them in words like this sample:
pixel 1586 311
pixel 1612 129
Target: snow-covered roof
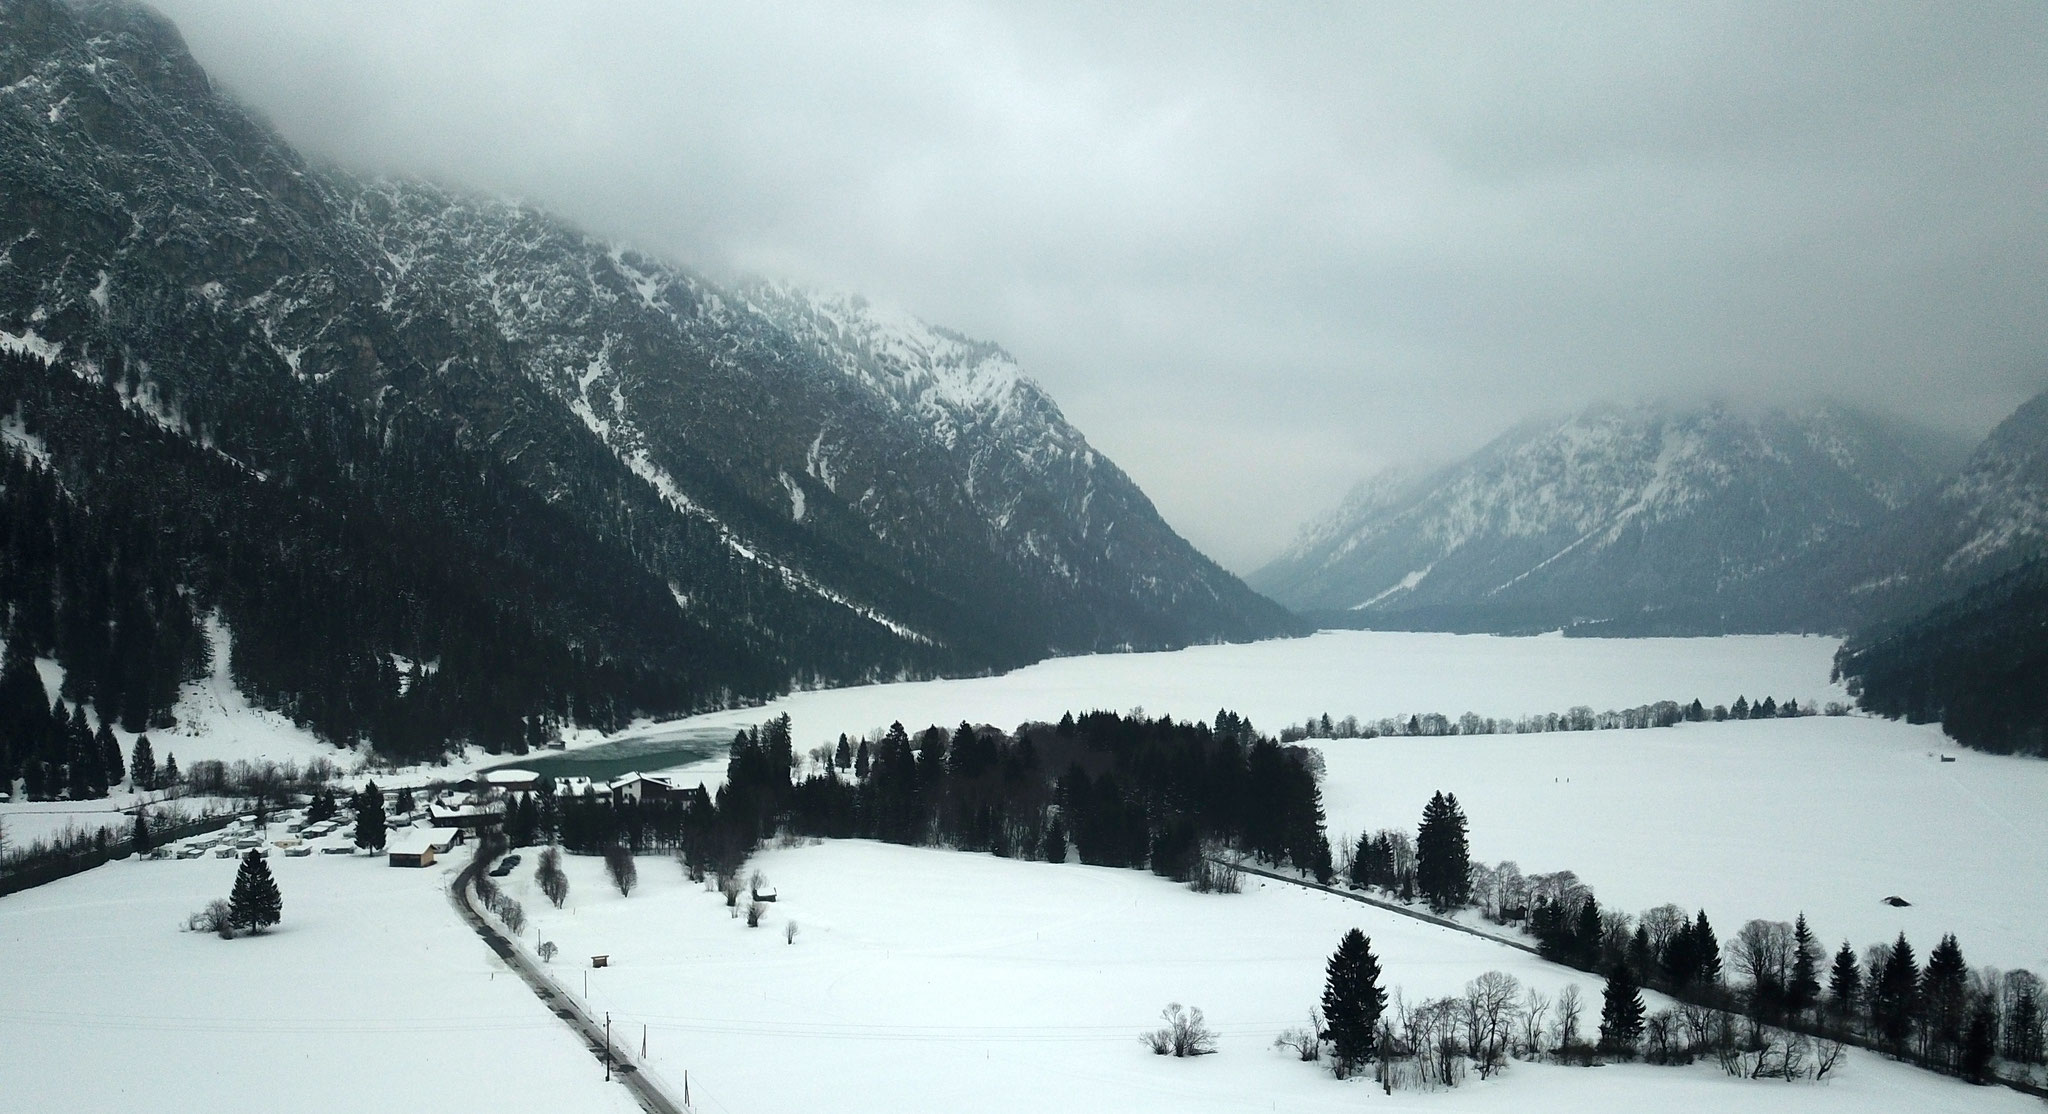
pixel 510 777
pixel 636 776
pixel 411 841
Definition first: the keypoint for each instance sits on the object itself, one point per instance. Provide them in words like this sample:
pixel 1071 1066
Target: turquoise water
pixel 654 751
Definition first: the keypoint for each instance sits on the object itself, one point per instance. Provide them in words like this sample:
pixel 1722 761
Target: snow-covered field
pixel 1369 674
pixel 929 980
pixel 1749 819
pixel 1366 673
pixel 371 995
pixel 26 822
pixel 1753 819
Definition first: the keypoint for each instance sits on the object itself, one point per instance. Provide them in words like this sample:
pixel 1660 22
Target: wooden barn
pixel 412 847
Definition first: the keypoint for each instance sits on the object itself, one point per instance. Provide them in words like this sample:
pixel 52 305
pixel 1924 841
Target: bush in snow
pixel 755 909
pixel 217 917
pixel 1185 1033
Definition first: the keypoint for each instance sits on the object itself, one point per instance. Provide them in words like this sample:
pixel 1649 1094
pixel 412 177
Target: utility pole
pixel 643 1042
pixel 607 1046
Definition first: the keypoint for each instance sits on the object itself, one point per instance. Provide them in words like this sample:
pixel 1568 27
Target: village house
pixel 639 788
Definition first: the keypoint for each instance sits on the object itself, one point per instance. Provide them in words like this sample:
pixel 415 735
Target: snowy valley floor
pixel 1747 819
pixel 930 980
pixel 372 995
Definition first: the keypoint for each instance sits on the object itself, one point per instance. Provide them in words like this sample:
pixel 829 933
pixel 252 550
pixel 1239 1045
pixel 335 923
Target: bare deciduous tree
pixel 789 933
pixel 755 910
pixel 1490 1008
pixel 618 863
pixel 1535 1008
pixel 554 884
pixel 1185 1033
pixel 1570 1007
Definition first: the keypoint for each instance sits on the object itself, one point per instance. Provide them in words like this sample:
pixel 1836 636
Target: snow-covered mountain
pixel 1639 518
pixel 694 494
pixel 1987 519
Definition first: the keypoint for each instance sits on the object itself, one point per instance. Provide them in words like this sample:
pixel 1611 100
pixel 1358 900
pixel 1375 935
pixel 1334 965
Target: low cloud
pixel 1257 251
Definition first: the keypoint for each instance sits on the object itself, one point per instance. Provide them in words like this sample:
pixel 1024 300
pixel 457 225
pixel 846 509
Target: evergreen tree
pixel 1979 1043
pixel 1443 862
pixel 1585 949
pixel 1319 860
pixel 1360 874
pixel 1740 710
pixel 1945 1000
pixel 1621 1013
pixel 1895 1000
pixel 89 755
pixel 1845 982
pixel 860 761
pixel 404 803
pixel 142 766
pixel 169 775
pixel 254 903
pixel 842 756
pixel 141 839
pixel 1707 950
pixel 24 711
pixel 1640 962
pixel 1055 841
pixel 321 809
pixel 1804 989
pixel 370 818
pixel 111 764
pixel 1352 1001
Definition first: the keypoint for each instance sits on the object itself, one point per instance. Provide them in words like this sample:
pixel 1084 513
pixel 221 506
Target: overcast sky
pixel 1258 251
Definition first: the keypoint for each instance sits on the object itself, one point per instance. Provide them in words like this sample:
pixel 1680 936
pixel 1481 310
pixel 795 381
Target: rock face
pixel 1986 520
pixel 540 460
pixel 1627 520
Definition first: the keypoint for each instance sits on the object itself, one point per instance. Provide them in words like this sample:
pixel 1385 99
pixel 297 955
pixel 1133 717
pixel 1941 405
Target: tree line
pixel 1661 713
pixel 1102 788
pixel 1976 664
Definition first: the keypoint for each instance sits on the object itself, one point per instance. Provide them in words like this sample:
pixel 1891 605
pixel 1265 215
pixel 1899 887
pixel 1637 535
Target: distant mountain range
pixel 451 469
pixel 1623 519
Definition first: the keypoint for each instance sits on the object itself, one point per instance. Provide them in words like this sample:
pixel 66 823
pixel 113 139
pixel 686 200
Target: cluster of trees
pixel 54 751
pixel 1116 790
pixel 1108 789
pixel 1977 664
pixel 1777 976
pixel 500 904
pixel 1437 865
pixel 1662 713
pixel 1772 975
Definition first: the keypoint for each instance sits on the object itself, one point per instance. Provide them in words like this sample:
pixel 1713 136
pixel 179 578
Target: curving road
pixel 644 1088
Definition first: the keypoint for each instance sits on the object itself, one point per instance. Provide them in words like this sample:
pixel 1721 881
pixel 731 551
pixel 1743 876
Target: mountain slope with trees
pixel 452 470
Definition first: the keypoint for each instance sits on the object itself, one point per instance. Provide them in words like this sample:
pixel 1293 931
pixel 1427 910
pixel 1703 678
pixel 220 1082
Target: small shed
pixel 600 961
pixel 411 848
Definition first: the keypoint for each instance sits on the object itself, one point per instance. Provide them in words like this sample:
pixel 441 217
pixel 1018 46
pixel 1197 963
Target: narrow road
pixel 644 1089
pixel 1381 903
